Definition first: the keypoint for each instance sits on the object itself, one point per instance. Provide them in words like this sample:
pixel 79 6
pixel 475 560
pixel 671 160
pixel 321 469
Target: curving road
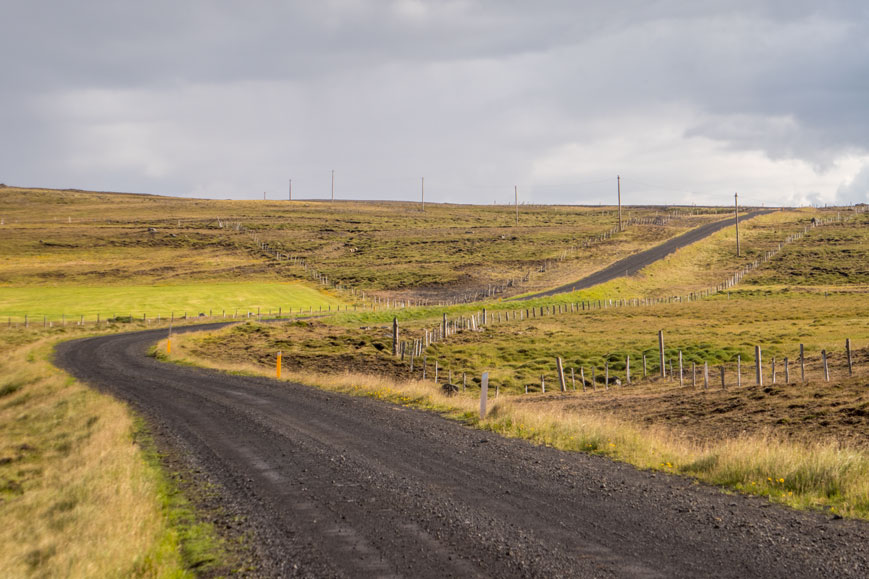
pixel 339 486
pixel 634 263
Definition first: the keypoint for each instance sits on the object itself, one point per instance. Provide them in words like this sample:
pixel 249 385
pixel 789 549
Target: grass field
pixel 74 253
pixel 82 494
pixel 813 434
pixel 53 238
pixel 715 330
pixel 72 302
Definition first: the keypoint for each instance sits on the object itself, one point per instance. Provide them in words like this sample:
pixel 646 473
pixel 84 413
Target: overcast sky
pixel 688 101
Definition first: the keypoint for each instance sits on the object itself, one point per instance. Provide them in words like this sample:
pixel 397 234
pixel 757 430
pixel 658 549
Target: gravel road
pixel 339 486
pixel 634 263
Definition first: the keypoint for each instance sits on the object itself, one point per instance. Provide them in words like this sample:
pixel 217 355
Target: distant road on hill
pixel 634 263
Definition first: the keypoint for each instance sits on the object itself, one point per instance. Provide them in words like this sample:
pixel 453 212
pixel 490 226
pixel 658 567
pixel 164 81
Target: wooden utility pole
pixel 422 192
pixel 516 195
pixel 333 184
pixel 619 187
pixel 736 216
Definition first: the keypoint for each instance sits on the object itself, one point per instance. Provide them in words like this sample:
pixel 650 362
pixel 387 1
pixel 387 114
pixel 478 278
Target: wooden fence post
pixel 723 385
pixel 661 349
pixel 560 367
pixel 757 366
pixel 394 336
pixel 705 375
pixel 464 381
pixel 693 375
pixel 278 366
pixel 848 352
pixel 644 366
pixel 606 378
pixel 628 369
pixel 826 368
pixel 739 369
pixel 787 371
pixel 802 364
pixel 681 375
pixel 436 371
pixel 542 384
pixel 773 369
pixel 484 392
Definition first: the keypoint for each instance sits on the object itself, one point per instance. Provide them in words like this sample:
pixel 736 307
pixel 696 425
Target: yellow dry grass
pixel 76 497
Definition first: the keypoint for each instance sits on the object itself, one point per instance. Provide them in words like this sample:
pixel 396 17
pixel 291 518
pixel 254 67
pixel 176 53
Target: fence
pixel 97 319
pixel 665 363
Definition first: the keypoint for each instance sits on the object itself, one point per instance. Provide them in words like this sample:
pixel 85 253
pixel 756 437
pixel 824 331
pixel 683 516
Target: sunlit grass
pixel 72 302
pixel 78 498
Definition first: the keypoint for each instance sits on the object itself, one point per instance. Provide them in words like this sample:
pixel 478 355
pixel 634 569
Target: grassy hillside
pixel 54 238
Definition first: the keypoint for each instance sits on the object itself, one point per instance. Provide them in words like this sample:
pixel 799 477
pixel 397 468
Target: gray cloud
pixel 227 98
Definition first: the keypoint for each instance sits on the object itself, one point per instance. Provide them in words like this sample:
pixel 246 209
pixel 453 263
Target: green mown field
pixel 72 302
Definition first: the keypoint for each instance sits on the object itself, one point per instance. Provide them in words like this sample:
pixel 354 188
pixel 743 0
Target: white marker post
pixel 484 391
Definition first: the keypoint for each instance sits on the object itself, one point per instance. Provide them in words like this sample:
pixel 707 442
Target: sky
pixel 687 101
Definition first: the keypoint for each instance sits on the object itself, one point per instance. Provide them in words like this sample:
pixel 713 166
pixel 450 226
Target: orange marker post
pixel 278 366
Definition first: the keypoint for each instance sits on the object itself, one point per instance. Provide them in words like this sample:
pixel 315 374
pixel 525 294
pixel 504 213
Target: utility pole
pixel 333 184
pixel 619 187
pixel 736 216
pixel 291 190
pixel 516 194
pixel 422 192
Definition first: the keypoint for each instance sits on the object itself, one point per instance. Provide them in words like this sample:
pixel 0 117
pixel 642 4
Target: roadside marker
pixel 278 366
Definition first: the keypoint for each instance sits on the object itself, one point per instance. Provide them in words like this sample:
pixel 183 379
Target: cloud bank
pixel 689 102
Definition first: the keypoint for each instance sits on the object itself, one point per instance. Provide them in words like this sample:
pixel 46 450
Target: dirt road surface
pixel 634 263
pixel 338 486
